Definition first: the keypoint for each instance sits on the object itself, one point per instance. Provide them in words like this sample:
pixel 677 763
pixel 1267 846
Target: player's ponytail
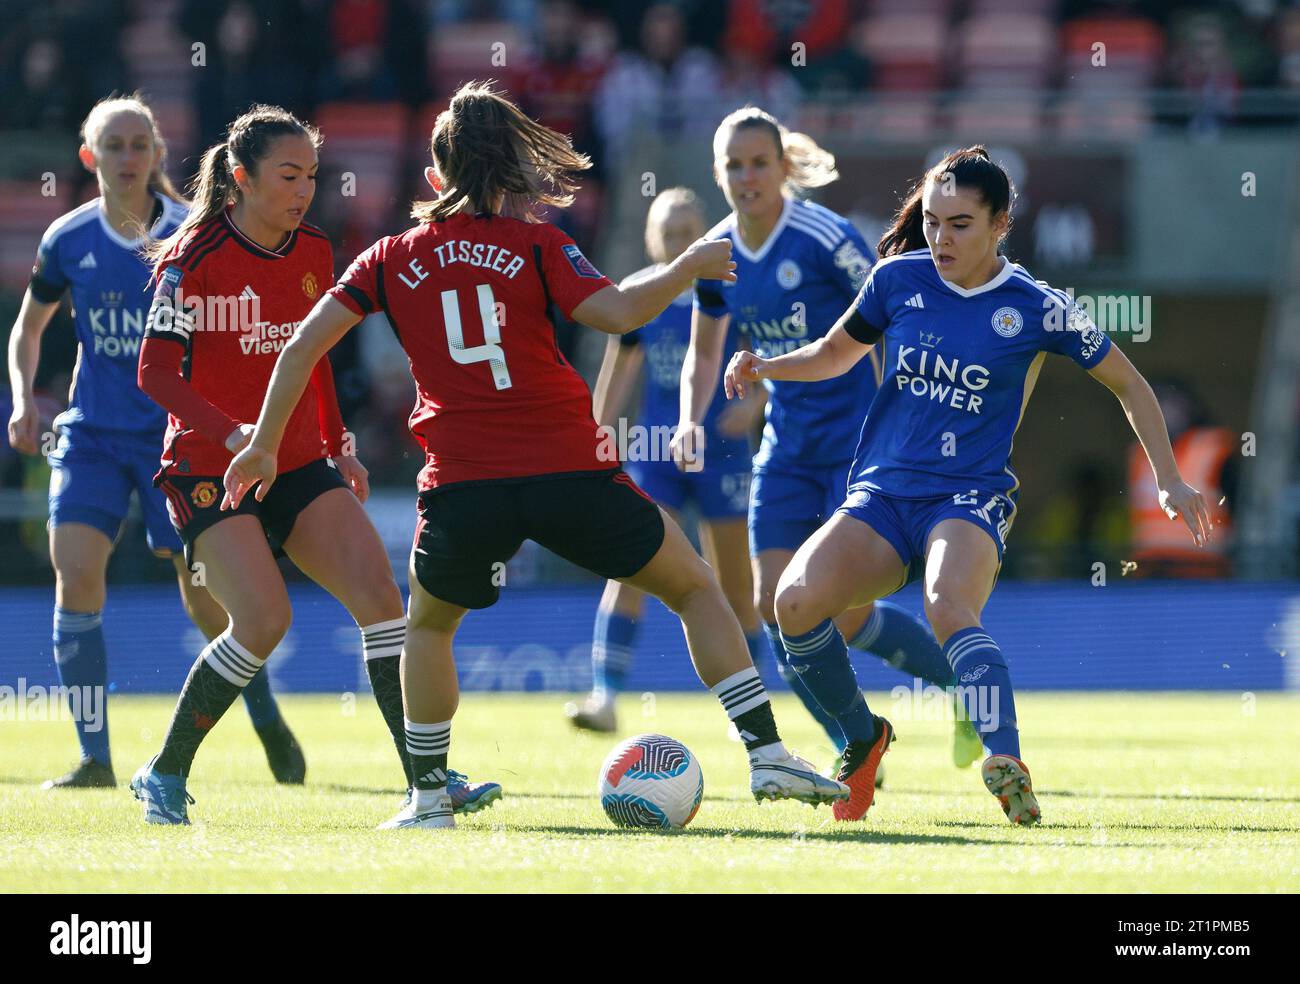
pixel 490 156
pixel 247 144
pixel 907 231
pixel 93 125
pixel 971 168
pixel 809 164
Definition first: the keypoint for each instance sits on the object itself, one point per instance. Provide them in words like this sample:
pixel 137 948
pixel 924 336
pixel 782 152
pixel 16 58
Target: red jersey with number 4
pixel 471 300
pixel 239 305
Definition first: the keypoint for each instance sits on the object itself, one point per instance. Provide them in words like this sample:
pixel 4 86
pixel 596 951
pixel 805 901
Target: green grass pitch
pixel 1140 792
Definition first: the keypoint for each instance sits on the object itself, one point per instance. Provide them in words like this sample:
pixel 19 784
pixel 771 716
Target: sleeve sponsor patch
pixel 850 259
pixel 1090 337
pixel 582 266
pixel 168 282
pixel 168 314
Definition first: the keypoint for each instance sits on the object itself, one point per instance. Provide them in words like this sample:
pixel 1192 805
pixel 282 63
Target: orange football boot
pixel 858 771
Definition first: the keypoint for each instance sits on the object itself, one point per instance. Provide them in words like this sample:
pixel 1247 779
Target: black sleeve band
pixel 860 330
pixel 358 295
pixel 709 297
pixel 44 291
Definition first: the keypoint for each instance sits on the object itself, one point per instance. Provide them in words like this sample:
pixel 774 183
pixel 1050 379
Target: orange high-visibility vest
pixel 1200 453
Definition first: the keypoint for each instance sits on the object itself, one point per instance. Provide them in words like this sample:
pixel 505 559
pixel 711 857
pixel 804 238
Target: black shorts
pixel 194 502
pixel 468 531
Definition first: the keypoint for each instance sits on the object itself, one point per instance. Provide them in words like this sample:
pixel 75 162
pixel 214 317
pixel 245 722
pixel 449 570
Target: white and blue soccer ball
pixel 651 781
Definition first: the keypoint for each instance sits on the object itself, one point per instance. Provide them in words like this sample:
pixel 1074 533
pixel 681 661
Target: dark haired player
pixel 963 333
pixel 512 451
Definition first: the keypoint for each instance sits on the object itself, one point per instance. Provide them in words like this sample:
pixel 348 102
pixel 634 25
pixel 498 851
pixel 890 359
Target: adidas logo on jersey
pixel 247 294
pixel 88 262
pixel 915 302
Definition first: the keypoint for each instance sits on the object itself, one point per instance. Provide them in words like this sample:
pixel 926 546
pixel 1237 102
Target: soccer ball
pixel 651 781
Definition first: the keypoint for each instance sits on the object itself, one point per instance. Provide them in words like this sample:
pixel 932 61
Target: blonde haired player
pixel 110 434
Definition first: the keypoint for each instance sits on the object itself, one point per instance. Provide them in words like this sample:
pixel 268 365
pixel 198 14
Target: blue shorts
pixel 720 492
pixel 788 504
pixel 93 474
pixel 907 523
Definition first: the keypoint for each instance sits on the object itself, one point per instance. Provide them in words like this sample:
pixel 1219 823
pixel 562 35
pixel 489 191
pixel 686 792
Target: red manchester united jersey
pixel 234 305
pixel 471 300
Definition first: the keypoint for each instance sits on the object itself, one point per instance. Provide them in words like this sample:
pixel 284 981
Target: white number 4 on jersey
pixel 490 351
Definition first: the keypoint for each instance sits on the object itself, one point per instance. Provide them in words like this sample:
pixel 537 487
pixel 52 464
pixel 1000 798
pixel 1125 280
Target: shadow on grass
pixel 841 835
pixel 1168 828
pixel 334 787
pixel 1076 794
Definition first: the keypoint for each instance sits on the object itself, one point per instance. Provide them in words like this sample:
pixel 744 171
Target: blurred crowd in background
pixel 373 74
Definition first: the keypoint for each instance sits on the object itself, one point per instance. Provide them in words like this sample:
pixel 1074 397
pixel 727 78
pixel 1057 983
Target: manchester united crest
pixel 204 494
pixel 309 286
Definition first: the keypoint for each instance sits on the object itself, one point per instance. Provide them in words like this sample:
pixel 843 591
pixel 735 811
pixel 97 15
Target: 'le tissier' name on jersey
pixel 486 255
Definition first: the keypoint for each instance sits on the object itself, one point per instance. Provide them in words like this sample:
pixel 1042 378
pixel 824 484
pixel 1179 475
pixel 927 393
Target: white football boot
pixel 776 774
pixel 428 809
pixel 593 714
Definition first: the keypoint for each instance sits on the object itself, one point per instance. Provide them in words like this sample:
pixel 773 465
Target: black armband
pixel 707 296
pixel 44 291
pixel 860 330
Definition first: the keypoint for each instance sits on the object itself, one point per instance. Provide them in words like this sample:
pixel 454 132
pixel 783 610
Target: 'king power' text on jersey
pixel 470 299
pixel 110 303
pixel 959 367
pixel 788 293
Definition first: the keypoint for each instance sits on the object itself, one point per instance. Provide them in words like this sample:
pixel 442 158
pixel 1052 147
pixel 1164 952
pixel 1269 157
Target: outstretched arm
pixel 1177 498
pixel 618 310
pixel 328 321
pixel 834 354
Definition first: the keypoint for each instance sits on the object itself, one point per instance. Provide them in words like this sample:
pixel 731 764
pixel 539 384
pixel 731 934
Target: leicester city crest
pixel 1007 322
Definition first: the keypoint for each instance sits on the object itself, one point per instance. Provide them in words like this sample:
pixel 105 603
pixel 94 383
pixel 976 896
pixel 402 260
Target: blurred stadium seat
pixel 25 213
pixel 369 141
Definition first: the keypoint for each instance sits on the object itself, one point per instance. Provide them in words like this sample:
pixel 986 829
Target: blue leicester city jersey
pixel 789 292
pixel 664 341
pixel 959 367
pixel 109 280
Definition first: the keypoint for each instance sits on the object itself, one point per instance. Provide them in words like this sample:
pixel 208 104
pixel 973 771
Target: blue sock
pixel 611 651
pixel 760 653
pixel 984 686
pixel 82 661
pixel 262 708
pixel 821 660
pixel 833 731
pixel 905 643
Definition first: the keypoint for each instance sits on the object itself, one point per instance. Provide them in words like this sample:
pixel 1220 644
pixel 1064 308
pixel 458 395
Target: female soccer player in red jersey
pixel 109 435
pixel 512 450
pixel 233 282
